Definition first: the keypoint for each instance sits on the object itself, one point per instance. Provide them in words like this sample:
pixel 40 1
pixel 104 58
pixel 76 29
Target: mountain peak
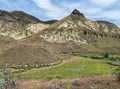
pixel 77 12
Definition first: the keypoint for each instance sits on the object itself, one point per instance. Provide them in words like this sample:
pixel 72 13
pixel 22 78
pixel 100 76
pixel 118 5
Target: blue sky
pixel 108 10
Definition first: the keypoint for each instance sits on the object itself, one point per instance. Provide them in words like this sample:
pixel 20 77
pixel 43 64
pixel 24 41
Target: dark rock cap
pixel 77 12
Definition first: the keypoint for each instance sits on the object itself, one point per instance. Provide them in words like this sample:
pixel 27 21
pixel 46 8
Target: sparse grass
pixel 112 58
pixel 74 69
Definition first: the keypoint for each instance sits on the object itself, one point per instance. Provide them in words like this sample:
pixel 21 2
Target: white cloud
pixel 7 3
pixel 104 3
pixel 52 11
pixel 98 10
pixel 17 5
pixel 108 14
pixel 93 9
pixel 70 5
pixel 84 7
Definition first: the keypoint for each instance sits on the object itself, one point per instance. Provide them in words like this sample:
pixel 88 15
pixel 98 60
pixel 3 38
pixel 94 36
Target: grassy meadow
pixel 77 68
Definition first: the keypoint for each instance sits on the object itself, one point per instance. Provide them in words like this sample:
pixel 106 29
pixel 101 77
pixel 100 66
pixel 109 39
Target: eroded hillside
pixel 77 28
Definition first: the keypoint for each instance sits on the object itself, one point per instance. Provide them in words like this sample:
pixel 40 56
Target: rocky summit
pixel 77 12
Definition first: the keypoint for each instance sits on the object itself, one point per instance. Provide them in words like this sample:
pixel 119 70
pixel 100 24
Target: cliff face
pixel 77 28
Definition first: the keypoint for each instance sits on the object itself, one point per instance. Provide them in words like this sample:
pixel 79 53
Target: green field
pixel 112 58
pixel 73 69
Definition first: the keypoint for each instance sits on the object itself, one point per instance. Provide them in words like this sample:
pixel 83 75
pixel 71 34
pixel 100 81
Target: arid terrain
pixel 94 82
pixel 72 53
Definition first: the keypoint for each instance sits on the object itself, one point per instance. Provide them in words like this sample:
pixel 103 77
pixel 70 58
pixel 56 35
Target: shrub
pixel 106 55
pixel 48 77
pixel 58 77
pixel 117 72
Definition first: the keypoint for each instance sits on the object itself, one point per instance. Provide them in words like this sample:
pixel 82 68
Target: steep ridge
pixel 80 30
pixel 24 18
pixel 15 24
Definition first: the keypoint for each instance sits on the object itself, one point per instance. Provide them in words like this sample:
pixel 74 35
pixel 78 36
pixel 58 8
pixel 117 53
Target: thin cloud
pixel 93 9
pixel 51 10
pixel 57 9
pixel 104 3
pixel 6 3
pixel 109 15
